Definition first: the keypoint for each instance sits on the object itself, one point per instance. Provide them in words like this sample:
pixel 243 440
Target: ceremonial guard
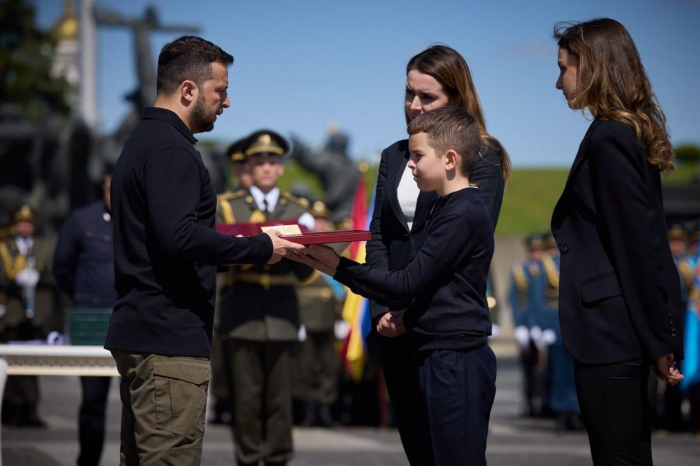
pixel 672 418
pixel 219 386
pixel 526 288
pixel 560 385
pixel 319 364
pixel 259 319
pixel 25 277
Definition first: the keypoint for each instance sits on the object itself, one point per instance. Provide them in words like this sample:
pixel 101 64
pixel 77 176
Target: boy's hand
pixel 324 254
pixel 306 259
pixel 391 324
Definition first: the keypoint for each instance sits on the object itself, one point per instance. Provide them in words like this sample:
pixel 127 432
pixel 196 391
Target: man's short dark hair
pixel 188 57
pixel 450 128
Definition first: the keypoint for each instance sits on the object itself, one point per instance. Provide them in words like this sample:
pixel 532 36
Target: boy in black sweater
pixel 443 290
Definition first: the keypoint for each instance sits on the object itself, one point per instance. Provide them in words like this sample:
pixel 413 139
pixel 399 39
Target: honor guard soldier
pixel 320 306
pixel 239 165
pixel 259 319
pixel 219 386
pixel 672 396
pixel 526 289
pixel 26 277
pixel 560 384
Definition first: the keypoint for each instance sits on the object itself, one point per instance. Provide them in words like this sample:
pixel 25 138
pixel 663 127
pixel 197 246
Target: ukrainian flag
pixel 356 308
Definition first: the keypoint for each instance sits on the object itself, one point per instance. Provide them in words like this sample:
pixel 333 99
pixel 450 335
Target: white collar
pixel 271 197
pixel 24 245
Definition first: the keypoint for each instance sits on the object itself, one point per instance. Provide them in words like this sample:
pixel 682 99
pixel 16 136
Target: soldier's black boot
pixel 222 413
pixel 30 417
pixel 324 418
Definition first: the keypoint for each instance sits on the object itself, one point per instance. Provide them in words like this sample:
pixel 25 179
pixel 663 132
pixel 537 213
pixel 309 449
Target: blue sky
pixel 300 65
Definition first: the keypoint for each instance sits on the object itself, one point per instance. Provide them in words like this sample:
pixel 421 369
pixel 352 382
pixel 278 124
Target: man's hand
pixel 311 262
pixel 665 369
pixel 391 324
pixel 280 246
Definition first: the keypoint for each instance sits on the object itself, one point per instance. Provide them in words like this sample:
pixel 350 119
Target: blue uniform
pixel 527 285
pixel 84 258
pixel 526 289
pixel 84 270
pixel 562 387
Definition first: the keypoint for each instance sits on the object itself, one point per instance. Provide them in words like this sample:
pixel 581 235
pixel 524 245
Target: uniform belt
pixel 324 293
pixel 265 280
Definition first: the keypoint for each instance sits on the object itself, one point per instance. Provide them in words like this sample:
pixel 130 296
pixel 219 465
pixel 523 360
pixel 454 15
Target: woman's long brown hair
pixel 450 69
pixel 613 85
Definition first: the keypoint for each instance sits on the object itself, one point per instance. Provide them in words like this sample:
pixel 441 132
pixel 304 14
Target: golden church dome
pixel 66 27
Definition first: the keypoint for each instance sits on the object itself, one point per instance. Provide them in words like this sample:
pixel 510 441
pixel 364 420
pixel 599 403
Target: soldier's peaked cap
pixel 236 151
pixel 24 212
pixel 266 141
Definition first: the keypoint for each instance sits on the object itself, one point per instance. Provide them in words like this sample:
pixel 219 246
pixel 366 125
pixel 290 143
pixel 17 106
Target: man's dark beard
pixel 199 120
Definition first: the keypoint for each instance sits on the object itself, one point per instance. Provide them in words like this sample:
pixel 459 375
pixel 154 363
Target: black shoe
pixel 275 463
pixel 324 418
pixel 574 423
pixel 30 418
pixel 222 413
pixel 241 463
pixel 11 415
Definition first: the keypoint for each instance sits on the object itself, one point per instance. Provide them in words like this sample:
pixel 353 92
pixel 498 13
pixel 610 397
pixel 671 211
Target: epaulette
pixel 521 280
pixel 229 196
pixel 551 271
pixel 296 200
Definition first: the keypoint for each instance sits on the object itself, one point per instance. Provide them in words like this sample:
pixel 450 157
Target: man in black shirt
pixel 165 253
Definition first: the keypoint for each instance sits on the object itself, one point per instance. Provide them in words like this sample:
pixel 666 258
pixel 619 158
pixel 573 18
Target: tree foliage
pixel 688 153
pixel 25 64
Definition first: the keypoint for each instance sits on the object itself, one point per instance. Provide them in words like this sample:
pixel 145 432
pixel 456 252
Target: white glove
pixel 522 336
pixel 302 333
pixel 549 337
pixel 27 278
pixel 536 335
pixel 495 330
pixel 56 338
pixel 341 329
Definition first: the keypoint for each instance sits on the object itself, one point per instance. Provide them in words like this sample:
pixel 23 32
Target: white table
pixel 18 359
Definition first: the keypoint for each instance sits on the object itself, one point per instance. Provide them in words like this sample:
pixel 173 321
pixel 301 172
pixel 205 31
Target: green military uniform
pixel 259 322
pixel 28 313
pixel 219 385
pixel 319 363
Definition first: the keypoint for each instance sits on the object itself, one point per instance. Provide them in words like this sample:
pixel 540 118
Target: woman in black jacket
pixel 435 78
pixel 620 306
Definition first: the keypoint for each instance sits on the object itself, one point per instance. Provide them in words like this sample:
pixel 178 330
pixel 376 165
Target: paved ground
pixel 512 441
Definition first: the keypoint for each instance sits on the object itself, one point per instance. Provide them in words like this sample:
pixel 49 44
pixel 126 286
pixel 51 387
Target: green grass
pixel 529 200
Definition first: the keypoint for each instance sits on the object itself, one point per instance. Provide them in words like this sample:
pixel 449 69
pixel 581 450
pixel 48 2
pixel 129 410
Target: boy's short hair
pixel 188 57
pixel 450 128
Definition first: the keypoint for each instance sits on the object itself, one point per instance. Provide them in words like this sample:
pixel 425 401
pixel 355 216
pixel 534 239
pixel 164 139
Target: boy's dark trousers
pixel 454 400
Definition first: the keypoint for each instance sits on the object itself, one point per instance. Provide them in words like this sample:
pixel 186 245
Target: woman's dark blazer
pixel 619 288
pixel 393 245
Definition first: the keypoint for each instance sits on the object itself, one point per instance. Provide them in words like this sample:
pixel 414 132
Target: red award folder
pixel 338 240
pixel 328 237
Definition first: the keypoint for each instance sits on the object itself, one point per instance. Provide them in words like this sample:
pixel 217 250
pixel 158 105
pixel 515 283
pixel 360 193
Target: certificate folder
pixel 338 240
pixel 327 237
